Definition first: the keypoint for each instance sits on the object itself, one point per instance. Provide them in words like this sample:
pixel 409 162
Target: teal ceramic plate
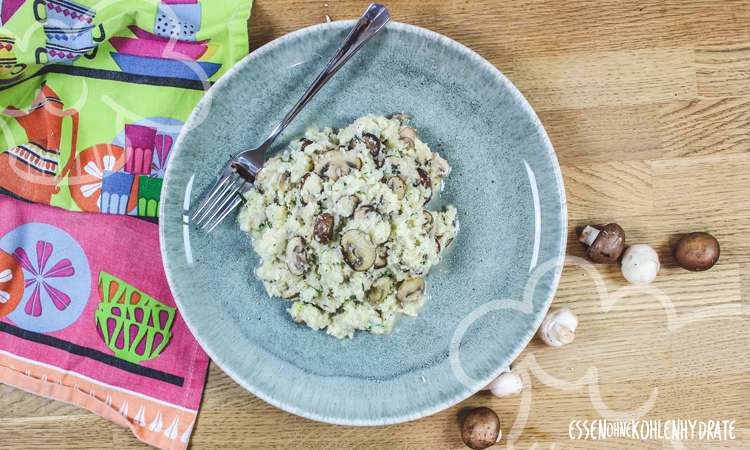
pixel 487 297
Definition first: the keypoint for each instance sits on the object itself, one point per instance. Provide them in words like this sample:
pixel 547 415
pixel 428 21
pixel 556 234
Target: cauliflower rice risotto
pixel 340 224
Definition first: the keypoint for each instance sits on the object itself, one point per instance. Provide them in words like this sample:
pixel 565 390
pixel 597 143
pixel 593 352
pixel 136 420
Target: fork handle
pixel 372 21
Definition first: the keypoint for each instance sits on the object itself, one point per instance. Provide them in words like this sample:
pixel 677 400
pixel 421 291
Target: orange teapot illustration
pixel 32 170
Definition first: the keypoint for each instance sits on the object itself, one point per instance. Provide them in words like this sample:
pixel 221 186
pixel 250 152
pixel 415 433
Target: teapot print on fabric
pixel 31 170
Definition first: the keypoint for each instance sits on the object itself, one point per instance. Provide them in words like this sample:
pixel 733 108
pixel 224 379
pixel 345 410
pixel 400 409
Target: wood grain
pixel 648 106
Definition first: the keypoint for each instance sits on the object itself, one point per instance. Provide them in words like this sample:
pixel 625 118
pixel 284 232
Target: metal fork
pixel 239 175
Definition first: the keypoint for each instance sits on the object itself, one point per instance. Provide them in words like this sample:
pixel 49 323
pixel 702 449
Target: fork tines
pixel 220 201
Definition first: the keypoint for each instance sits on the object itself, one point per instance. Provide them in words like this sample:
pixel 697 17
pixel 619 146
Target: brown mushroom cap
pixel 323 228
pixel 697 251
pixel 480 428
pixel 608 245
pixel 424 178
pixel 372 143
pixel 304 142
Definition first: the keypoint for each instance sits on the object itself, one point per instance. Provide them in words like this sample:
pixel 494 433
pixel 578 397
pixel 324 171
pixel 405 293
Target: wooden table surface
pixel 648 106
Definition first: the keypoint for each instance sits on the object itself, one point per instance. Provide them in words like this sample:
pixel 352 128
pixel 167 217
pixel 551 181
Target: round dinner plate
pixel 486 298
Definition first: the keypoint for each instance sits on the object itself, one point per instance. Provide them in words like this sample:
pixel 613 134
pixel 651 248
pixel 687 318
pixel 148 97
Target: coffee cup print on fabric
pixel 178 20
pixel 139 149
pixel 116 190
pixel 70 31
pixel 9 65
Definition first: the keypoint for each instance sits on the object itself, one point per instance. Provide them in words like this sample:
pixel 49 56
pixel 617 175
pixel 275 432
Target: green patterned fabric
pixel 93 94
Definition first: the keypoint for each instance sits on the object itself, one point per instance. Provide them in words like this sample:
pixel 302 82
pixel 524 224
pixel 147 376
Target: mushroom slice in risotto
pixel 358 250
pixel 296 256
pixel 335 164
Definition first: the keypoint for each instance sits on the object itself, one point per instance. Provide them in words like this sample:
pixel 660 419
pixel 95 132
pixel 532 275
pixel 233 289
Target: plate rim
pixel 561 246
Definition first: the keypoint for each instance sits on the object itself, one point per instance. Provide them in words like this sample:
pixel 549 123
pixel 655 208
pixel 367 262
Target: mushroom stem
pixel 508 383
pixel 588 235
pixel 563 334
pixel 559 327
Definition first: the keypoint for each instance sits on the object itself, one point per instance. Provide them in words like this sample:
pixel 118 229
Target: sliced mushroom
pixel 439 247
pixel 408 135
pixel 306 194
pixel 323 228
pixel 410 291
pixel 397 185
pixel 424 178
pixel 381 259
pixel 362 211
pixel 401 117
pixel 428 197
pixel 335 164
pixel 428 220
pixel 379 290
pixel 290 291
pixel 439 166
pixel 284 181
pixel 372 143
pixel 358 250
pixel 296 255
pixel 304 142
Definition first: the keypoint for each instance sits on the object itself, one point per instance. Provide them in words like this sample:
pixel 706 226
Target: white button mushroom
pixel 506 384
pixel 505 369
pixel 559 327
pixel 640 264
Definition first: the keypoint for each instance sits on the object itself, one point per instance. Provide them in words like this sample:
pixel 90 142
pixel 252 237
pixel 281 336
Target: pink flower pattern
pixel 42 279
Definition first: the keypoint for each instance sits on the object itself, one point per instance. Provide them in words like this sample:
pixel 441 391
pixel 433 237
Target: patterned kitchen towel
pixel 86 317
pixel 92 97
pixel 93 94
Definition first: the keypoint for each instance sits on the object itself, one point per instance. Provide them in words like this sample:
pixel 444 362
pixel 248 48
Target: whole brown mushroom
pixel 606 243
pixel 480 428
pixel 697 251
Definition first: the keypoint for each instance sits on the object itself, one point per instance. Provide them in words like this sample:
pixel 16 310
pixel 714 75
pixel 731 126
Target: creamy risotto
pixel 341 225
